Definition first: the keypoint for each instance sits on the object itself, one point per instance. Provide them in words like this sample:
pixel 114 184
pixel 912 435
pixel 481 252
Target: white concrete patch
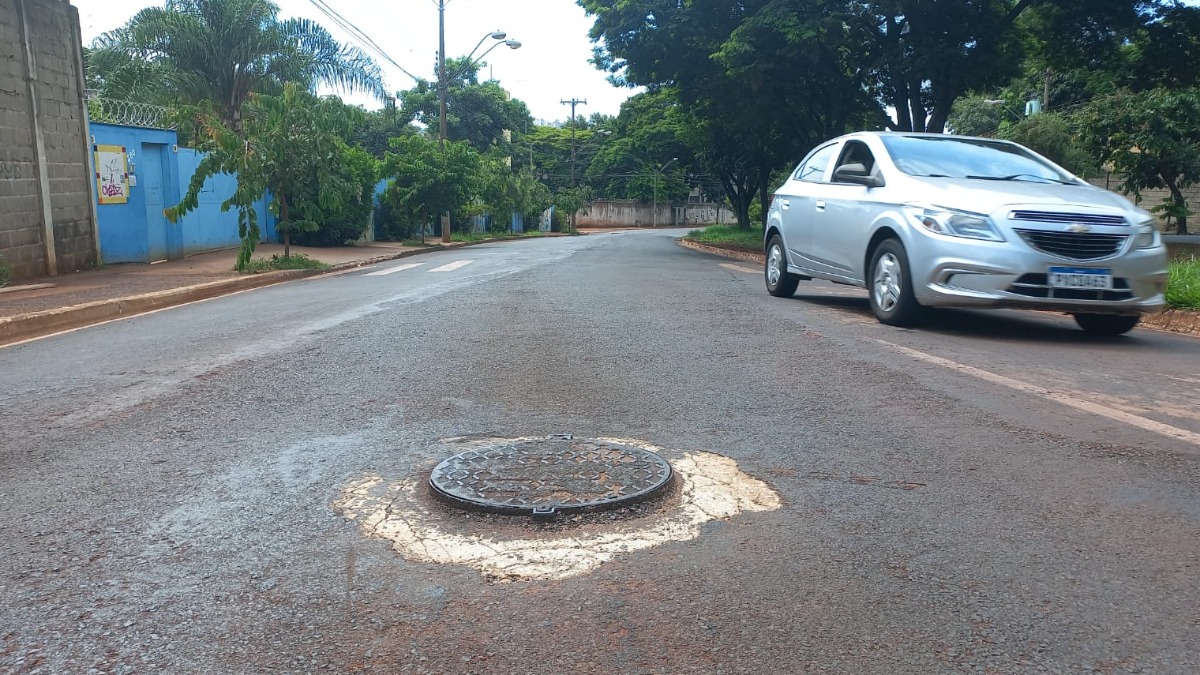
pixel 393 270
pixel 452 266
pixel 712 487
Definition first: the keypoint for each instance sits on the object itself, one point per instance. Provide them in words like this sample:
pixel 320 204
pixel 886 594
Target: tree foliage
pixel 1150 138
pixel 428 180
pixel 478 112
pixel 291 146
pixel 223 51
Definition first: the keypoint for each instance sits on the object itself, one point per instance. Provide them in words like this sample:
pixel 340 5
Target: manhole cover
pixel 543 477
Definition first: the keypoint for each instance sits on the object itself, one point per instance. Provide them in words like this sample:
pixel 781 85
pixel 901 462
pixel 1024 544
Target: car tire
pixel 780 282
pixel 1107 324
pixel 889 286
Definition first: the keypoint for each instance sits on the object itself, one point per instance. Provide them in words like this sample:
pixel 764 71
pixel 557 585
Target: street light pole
pixel 657 172
pixel 443 83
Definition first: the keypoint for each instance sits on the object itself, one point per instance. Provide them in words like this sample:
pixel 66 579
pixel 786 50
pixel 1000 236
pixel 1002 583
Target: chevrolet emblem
pixel 1080 228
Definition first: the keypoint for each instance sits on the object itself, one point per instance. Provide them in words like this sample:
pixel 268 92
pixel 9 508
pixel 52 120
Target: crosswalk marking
pixel 452 266
pixel 393 270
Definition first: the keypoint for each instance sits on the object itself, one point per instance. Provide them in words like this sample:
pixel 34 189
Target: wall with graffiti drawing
pixel 131 224
pixel 623 213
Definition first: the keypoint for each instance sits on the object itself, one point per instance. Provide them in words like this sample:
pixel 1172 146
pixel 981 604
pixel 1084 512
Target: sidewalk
pixel 46 305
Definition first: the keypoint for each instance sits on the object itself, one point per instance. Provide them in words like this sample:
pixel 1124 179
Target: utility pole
pixel 442 101
pixel 573 102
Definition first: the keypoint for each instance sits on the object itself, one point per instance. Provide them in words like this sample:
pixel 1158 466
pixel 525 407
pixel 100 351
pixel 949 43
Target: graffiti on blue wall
pixel 159 170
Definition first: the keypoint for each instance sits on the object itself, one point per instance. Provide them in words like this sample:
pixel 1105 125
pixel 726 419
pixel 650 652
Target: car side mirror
pixel 857 174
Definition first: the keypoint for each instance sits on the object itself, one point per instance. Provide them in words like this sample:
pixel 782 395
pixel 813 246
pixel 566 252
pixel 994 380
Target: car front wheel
pixel 780 282
pixel 890 286
pixel 1107 324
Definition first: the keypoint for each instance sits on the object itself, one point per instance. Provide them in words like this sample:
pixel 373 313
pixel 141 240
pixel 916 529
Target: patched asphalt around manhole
pixel 543 477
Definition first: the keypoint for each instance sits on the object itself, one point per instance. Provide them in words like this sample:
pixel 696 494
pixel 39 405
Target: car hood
pixel 987 196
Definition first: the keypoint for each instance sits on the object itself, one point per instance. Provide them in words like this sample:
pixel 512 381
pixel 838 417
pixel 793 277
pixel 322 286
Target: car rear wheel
pixel 890 286
pixel 780 282
pixel 1107 324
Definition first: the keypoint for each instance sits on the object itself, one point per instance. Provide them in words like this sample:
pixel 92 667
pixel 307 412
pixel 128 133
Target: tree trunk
pixel 287 231
pixel 1180 209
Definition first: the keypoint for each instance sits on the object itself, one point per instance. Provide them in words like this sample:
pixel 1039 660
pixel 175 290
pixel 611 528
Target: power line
pixel 359 36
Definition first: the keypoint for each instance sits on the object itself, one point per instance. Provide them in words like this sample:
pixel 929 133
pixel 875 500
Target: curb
pixel 1180 321
pixel 40 324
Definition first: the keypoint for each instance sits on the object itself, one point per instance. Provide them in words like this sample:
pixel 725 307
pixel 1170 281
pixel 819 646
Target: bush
pixel 347 221
pixel 5 272
pixel 393 222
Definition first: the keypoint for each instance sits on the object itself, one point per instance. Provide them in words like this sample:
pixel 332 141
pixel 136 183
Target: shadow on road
pixel 1008 325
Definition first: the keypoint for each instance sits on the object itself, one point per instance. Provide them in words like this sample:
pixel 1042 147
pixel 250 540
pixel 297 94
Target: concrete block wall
pixel 66 185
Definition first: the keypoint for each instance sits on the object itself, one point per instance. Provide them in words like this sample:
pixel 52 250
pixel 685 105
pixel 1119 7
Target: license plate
pixel 1081 277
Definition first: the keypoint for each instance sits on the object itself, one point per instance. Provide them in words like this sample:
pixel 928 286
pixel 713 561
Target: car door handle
pixel 820 205
pixel 785 204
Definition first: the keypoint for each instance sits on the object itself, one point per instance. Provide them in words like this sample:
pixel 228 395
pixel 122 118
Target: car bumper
pixel 986 274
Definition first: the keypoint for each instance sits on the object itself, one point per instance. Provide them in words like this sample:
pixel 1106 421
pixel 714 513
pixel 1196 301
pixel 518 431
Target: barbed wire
pixel 128 113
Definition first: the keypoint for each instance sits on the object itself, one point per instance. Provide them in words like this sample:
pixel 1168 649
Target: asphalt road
pixel 226 487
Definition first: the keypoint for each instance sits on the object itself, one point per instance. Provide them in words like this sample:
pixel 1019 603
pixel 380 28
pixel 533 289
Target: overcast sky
pixel 551 65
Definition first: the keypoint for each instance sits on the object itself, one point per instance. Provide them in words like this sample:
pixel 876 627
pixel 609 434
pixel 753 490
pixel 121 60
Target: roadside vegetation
pixel 5 273
pixel 298 261
pixel 729 236
pixel 1183 288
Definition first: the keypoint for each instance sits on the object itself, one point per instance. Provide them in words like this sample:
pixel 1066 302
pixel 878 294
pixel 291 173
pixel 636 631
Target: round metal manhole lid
pixel 542 477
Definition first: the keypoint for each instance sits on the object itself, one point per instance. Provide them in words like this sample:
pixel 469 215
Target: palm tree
pixel 222 50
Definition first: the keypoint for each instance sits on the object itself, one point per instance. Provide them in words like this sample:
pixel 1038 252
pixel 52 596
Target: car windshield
pixel 948 157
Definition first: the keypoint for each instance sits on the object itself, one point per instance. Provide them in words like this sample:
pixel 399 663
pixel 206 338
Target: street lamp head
pixel 498 35
pixel 512 44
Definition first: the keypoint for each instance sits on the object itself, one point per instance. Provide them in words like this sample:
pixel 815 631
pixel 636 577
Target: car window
pixel 857 152
pixel 948 157
pixel 813 169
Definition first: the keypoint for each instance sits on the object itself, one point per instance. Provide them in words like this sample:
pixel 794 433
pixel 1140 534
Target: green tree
pixel 1052 136
pixel 355 172
pixel 428 180
pixel 763 79
pixel 378 127
pixel 481 113
pixel 289 146
pixel 1150 138
pixel 223 51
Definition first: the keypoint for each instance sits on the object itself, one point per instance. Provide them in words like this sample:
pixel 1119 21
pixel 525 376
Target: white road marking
pixel 1057 396
pixel 452 266
pixel 393 270
pixel 739 268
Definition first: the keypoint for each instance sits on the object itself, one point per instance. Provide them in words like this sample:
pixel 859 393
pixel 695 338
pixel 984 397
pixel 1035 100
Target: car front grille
pixel 1074 245
pixel 1038 286
pixel 1067 218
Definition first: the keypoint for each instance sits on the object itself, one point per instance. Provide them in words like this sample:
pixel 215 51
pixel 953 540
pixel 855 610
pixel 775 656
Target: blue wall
pixel 160 172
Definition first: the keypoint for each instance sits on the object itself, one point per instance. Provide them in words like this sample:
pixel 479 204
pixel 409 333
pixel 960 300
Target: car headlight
pixel 1147 235
pixel 954 223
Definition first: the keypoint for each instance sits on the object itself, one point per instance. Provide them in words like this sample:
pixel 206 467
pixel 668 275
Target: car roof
pixel 916 134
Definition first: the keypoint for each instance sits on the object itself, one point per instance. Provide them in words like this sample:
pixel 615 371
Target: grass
pixel 729 235
pixel 471 237
pixel 278 262
pixel 1183 287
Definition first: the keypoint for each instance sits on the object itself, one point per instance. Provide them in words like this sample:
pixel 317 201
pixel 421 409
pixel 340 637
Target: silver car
pixel 953 221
